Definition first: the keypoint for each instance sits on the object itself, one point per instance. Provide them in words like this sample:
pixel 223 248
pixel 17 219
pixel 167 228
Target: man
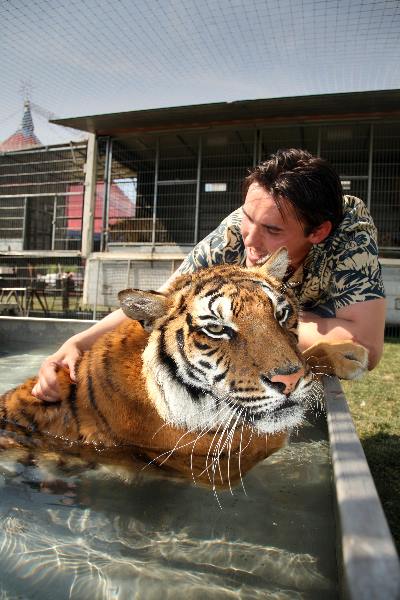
pixel 295 200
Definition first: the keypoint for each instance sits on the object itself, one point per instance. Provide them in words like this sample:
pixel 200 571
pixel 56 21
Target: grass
pixel 375 406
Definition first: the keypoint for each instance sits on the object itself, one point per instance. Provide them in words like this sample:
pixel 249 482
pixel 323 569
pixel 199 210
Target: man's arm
pixel 361 322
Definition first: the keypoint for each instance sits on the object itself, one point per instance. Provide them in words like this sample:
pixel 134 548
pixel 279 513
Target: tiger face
pixel 223 349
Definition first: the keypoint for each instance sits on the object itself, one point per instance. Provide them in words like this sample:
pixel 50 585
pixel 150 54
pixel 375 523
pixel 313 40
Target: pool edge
pixel 370 565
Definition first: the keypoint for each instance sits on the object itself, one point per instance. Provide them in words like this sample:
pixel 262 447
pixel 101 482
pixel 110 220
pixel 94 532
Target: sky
pixel 81 57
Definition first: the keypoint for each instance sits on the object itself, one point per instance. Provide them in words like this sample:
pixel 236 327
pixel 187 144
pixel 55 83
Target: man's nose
pixel 254 235
pixel 287 381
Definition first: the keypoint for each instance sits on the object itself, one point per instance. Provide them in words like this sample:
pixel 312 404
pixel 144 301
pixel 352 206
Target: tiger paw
pixel 346 360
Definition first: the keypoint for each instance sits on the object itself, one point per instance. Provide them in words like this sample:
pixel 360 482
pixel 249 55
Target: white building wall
pixel 391 278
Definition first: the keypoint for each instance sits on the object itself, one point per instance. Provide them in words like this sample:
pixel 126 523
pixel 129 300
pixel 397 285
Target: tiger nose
pixel 287 381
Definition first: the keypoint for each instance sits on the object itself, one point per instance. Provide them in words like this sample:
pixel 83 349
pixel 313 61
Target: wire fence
pixel 183 184
pixel 175 188
pixel 156 196
pixel 41 198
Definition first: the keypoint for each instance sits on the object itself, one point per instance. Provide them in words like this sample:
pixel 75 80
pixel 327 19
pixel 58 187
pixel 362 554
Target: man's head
pixel 293 199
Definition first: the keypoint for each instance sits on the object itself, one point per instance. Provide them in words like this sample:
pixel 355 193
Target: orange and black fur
pixel 212 389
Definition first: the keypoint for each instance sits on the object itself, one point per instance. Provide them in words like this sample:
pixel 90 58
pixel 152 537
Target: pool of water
pixel 79 531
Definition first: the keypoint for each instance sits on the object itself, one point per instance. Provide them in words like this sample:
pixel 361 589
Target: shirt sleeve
pixel 221 246
pixel 357 275
pixel 344 269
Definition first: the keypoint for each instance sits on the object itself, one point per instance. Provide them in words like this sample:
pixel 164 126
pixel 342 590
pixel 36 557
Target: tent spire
pixel 25 136
pixel 27 126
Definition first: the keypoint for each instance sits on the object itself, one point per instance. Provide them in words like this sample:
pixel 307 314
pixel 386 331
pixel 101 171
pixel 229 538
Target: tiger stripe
pixel 93 401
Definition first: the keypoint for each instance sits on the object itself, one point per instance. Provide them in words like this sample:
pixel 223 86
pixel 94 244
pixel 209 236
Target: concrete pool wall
pixel 368 562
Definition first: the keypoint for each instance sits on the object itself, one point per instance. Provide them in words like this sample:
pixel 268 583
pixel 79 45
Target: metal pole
pixel 370 164
pixel 89 201
pixel 97 290
pixel 53 224
pixel 109 184
pixel 24 224
pixel 198 184
pixel 106 201
pixel 153 233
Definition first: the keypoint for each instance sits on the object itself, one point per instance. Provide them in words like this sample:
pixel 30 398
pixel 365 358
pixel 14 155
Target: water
pixel 84 531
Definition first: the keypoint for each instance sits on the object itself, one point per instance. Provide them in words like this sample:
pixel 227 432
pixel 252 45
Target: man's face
pixel 264 229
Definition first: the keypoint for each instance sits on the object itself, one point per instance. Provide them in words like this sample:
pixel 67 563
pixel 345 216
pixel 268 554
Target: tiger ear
pixel 143 306
pixel 276 265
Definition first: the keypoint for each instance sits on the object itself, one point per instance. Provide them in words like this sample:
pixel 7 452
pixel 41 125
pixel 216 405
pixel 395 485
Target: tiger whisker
pixel 218 450
pixel 319 366
pixel 232 433
pixel 208 453
pixel 176 447
pixel 203 432
pixel 322 373
pixel 239 460
pixel 217 497
pixel 251 434
pixel 312 356
pixel 213 468
pixel 158 430
pixel 209 450
pixel 229 432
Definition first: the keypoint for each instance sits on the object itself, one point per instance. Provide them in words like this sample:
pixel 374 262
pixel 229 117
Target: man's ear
pixel 275 265
pixel 143 306
pixel 320 233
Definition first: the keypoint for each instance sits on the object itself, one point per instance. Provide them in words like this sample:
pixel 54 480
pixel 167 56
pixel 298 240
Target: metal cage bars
pixel 349 147
pixel 19 212
pixel 169 174
pixel 40 208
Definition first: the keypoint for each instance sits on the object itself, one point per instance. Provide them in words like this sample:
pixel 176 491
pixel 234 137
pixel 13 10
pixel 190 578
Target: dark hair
pixel 309 183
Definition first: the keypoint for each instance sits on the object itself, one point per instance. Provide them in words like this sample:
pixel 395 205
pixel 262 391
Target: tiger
pixel 205 379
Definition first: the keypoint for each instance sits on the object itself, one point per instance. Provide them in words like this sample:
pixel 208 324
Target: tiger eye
pixel 215 328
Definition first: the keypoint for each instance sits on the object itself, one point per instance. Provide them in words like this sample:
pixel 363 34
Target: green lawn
pixel 375 406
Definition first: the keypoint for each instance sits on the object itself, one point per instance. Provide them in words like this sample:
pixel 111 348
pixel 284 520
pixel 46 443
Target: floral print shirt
pixel 340 271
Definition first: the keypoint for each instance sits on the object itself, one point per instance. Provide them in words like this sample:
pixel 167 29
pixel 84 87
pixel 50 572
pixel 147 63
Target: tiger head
pixel 223 349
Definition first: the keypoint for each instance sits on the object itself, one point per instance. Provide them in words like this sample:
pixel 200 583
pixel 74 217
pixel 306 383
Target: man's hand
pixel 69 354
pixel 362 322
pixel 47 386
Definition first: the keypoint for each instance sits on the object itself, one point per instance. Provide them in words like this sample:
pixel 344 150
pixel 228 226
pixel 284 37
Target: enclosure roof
pixel 375 104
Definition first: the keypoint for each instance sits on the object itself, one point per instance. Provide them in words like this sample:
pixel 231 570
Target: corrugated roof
pixel 375 104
